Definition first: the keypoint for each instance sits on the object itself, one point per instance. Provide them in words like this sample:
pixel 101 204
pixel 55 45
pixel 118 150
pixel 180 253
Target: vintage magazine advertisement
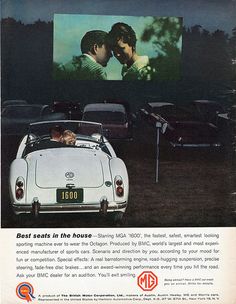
pixel 118 151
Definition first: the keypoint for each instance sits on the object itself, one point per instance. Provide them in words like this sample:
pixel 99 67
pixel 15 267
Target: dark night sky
pixel 210 14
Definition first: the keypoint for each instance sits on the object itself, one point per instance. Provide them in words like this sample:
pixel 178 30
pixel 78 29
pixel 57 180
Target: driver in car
pixel 56 133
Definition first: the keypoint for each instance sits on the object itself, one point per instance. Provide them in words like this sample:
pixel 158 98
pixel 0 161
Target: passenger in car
pixel 68 138
pixel 56 134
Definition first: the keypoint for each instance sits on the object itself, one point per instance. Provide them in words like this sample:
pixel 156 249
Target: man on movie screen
pixel 95 56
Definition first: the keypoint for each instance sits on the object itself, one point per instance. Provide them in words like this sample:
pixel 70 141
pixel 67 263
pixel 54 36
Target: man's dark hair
pixel 56 131
pixel 90 38
pixel 122 31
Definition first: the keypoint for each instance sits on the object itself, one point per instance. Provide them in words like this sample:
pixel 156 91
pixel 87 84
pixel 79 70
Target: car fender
pixel 18 168
pixel 21 147
pixel 109 147
pixel 118 167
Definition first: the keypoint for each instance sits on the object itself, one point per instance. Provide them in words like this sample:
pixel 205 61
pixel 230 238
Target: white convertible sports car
pixel 50 177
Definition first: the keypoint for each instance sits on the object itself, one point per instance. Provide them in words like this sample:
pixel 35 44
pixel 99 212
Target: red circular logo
pixel 25 291
pixel 147 280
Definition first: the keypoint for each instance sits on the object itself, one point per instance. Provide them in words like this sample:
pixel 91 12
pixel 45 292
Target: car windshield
pixel 82 129
pixel 21 112
pixel 105 117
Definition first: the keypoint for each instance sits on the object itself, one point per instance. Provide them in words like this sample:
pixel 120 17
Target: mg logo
pixel 69 174
pixel 147 280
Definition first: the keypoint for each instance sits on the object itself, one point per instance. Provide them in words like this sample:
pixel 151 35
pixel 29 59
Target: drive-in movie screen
pixel 98 47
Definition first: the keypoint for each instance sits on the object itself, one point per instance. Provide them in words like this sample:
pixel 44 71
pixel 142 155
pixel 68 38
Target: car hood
pixel 113 131
pixel 56 168
pixel 192 132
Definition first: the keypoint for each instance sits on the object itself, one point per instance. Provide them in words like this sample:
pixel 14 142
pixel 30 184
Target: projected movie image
pixel 92 47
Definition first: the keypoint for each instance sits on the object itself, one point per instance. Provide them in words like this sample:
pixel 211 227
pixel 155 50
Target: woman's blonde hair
pixel 68 137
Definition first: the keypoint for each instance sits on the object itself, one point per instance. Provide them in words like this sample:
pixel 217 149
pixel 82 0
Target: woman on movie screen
pixel 122 40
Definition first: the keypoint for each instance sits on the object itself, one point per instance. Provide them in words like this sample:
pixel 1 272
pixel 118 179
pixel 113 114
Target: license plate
pixel 70 195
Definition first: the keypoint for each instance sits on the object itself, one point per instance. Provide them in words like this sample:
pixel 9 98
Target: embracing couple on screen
pixel 98 47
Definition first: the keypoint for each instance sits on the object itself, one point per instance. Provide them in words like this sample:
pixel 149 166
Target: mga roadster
pixel 85 177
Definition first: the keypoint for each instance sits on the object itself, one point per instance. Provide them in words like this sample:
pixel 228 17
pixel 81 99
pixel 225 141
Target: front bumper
pixel 69 208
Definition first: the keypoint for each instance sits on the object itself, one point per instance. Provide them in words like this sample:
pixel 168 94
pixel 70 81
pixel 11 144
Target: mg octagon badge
pixel 147 280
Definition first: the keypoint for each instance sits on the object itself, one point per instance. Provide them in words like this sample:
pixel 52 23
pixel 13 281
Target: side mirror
pixel 97 136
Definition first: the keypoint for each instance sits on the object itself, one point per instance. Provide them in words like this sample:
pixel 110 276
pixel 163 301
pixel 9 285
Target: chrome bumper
pixel 67 208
